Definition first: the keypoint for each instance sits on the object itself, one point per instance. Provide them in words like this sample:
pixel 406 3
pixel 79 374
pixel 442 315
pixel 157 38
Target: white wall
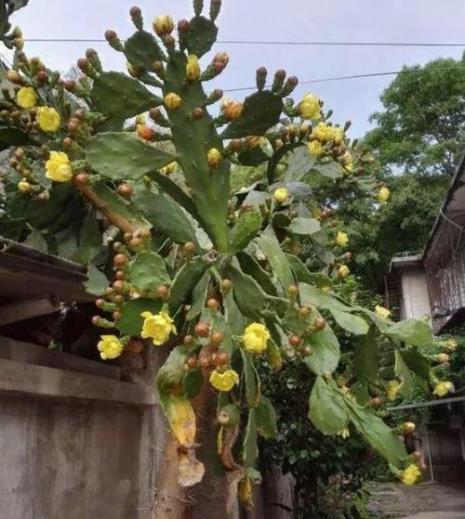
pixel 415 299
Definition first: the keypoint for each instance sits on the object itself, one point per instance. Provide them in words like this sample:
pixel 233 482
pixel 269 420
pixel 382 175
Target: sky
pixel 292 20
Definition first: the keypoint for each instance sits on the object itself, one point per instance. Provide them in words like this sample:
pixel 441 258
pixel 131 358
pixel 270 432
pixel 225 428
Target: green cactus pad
pixel 246 228
pixel 262 110
pixel 166 216
pixel 120 97
pixel 142 49
pixel 147 271
pixel 202 35
pixel 122 155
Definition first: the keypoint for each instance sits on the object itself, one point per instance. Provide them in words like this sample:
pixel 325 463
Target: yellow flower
pixel 245 492
pixel 256 337
pixel 322 132
pixel 338 135
pixel 410 475
pixel 158 327
pixel 408 427
pixel 315 148
pixel 172 101
pixel 163 25
pixel 26 97
pixel 192 67
pixel 58 167
pixel 24 186
pixel 48 118
pixel 343 271
pixel 442 357
pixel 383 195
pixel 442 388
pixel 281 195
pixel 169 168
pixel 342 239
pixel 110 347
pixel 348 161
pixel 231 109
pixel 382 312
pixel 309 107
pixel 224 381
pixel 344 433
pixel 451 345
pixel 214 157
pixel 392 390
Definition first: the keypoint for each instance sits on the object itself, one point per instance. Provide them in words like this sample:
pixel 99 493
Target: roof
pixel 405 261
pixel 430 403
pixel 26 273
pixel 453 207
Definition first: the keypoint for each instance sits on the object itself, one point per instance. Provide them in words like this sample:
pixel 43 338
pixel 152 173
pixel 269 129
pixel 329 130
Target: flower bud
pixel 226 285
pixel 295 340
pixel 220 61
pixel 202 329
pixel 442 358
pixel 192 68
pixel 408 427
pixel 261 78
pixel 136 17
pixel 231 109
pixel 14 77
pixel 113 40
pixel 198 7
pixel 320 323
pixel 289 86
pixel 281 195
pixel 213 304
pixel 24 186
pixel 214 157
pixel 198 113
pixel 189 248
pixel 81 179
pixel 120 260
pixel 145 132
pixel 217 338
pixel 163 25
pixel 183 27
pixel 125 190
pixel 172 101
pixel 278 81
pixel 215 8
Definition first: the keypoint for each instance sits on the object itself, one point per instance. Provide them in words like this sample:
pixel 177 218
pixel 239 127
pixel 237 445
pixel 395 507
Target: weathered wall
pixel 415 299
pixel 91 455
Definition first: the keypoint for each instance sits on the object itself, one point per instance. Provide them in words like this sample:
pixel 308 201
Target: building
pixel 433 283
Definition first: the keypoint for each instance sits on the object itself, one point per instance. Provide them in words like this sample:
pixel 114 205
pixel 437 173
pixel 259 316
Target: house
pixel 433 283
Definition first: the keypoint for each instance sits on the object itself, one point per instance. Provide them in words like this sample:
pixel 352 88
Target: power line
pixel 278 42
pixel 343 78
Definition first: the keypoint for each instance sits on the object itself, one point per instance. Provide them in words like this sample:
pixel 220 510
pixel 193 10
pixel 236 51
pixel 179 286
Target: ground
pixel 424 501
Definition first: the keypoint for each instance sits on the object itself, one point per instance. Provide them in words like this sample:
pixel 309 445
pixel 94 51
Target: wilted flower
pixel 281 195
pixel 172 101
pixel 343 271
pixel 192 68
pixel 231 109
pixel 442 388
pixel 163 25
pixel 214 157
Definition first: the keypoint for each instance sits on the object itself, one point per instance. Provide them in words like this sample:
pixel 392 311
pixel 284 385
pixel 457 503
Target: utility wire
pixel 343 78
pixel 265 42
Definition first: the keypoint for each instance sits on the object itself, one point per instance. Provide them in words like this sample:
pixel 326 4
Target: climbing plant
pixel 130 174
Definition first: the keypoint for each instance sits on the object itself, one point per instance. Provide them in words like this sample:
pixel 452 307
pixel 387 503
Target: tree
pixel 422 127
pixel 179 261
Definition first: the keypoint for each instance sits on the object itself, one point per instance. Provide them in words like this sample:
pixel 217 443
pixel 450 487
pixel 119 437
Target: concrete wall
pixel 76 442
pixel 415 300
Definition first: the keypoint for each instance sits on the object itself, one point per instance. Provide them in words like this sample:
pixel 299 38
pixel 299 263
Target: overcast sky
pixel 348 20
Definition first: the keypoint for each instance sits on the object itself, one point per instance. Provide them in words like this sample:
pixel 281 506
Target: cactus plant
pixel 212 274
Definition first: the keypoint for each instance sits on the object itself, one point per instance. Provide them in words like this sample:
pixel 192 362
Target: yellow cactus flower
pixel 410 475
pixel 256 337
pixel 110 347
pixel 348 161
pixel 442 358
pixel 408 427
pixel 214 157
pixel 26 97
pixel 343 271
pixel 383 195
pixel 24 186
pixel 392 390
pixel 281 195
pixel 169 168
pixel 322 132
pixel 315 148
pixel 442 388
pixel 344 433
pixel 342 239
pixel 172 101
pixel 224 380
pixel 338 135
pixel 58 167
pixel 48 118
pixel 157 327
pixel 382 312
pixel 163 25
pixel 192 68
pixel 309 107
pixel 231 109
pixel 451 345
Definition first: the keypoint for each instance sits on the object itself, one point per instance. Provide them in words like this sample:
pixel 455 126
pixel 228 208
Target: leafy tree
pixel 422 127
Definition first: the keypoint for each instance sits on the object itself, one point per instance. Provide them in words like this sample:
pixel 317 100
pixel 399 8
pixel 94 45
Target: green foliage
pixel 148 271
